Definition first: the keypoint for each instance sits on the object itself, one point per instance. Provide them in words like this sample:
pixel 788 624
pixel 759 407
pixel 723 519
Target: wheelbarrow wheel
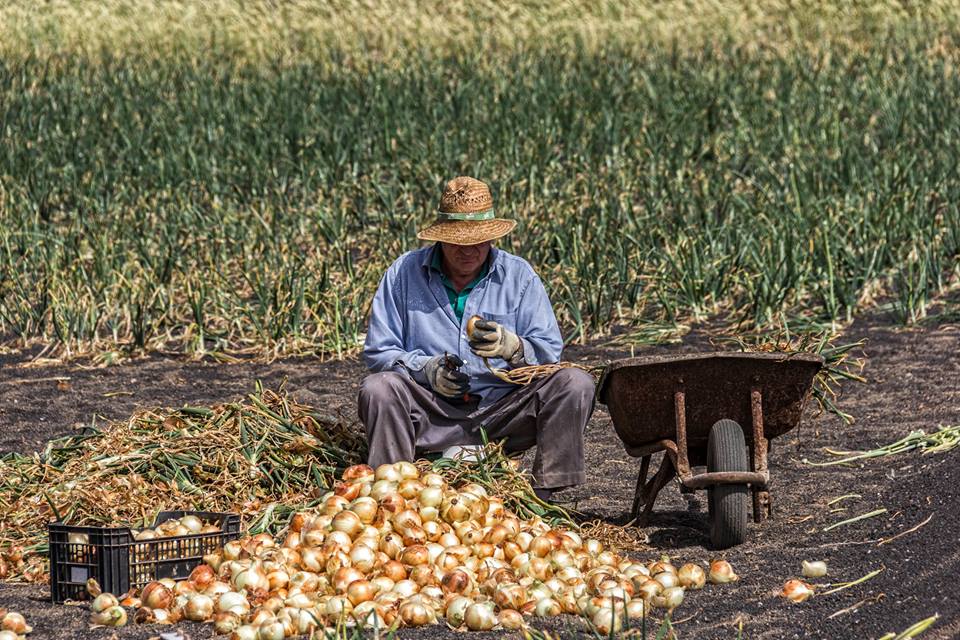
pixel 728 504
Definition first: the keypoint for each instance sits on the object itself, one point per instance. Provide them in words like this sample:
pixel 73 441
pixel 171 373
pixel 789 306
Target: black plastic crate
pixel 117 561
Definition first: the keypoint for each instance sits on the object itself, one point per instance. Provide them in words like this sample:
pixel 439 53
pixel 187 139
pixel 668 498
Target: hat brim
pixel 467 232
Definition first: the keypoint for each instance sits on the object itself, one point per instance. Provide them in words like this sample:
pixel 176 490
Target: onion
pixel 16 623
pixel 510 619
pixel 114 616
pixel 244 632
pixel 670 598
pixel 101 602
pixel 225 622
pixel 358 473
pixel 407 470
pixel 547 607
pixel 667 579
pixel 415 614
pixel 348 522
pixel 815 569
pixel 363 558
pixel 430 497
pixel 607 621
pixel 721 572
pixel 365 508
pixel 272 630
pixel 387 472
pixel 480 617
pixel 199 608
pixel 233 602
pixel 636 609
pixel 360 591
pixel 457 609
pixel 156 595
pixel 692 576
pixel 415 555
pixel 202 576
pixel 191 523
pixel 797 590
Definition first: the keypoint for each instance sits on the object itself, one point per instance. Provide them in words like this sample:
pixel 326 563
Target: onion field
pixel 232 178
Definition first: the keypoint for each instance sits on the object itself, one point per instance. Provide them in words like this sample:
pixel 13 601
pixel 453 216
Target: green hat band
pixel 476 215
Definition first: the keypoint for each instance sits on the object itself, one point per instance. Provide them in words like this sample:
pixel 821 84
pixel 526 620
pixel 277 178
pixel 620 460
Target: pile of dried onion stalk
pixel 241 457
pixel 397 547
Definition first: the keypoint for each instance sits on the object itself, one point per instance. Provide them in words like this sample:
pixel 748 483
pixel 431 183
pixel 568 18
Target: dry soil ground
pixel 914 384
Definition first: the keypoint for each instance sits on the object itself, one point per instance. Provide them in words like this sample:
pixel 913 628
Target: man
pixel 431 389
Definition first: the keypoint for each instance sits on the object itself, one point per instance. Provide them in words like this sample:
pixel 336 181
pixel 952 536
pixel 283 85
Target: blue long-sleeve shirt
pixel 411 319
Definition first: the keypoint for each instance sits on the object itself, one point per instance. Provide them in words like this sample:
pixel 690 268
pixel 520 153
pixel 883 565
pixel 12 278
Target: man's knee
pixel 574 380
pixel 381 387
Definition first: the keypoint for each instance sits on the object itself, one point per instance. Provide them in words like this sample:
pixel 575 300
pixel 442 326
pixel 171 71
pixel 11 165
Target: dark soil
pixel 914 384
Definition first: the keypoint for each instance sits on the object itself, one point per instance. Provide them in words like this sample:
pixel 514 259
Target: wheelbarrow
pixel 695 407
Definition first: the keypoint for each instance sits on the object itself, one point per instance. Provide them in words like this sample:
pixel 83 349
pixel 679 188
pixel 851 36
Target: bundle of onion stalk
pixel 394 547
pixel 234 457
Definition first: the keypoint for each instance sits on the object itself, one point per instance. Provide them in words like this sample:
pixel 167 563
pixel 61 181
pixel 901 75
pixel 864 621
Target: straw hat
pixel 465 215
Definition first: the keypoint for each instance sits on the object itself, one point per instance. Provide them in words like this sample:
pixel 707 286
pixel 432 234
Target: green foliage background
pixel 234 177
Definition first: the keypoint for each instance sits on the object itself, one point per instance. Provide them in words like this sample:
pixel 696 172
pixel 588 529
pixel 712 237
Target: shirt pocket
pixel 507 320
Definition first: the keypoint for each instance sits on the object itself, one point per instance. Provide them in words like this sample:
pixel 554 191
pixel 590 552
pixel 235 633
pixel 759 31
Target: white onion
pixel 815 569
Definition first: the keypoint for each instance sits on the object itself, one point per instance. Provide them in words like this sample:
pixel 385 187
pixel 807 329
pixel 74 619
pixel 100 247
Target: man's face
pixel 465 260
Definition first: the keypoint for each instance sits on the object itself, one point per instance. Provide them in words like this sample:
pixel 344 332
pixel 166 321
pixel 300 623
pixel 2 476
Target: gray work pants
pixel 404 419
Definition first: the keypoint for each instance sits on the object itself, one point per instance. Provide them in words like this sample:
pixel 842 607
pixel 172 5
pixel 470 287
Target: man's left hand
pixel 492 340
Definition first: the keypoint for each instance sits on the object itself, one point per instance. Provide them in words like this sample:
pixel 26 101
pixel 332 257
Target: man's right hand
pixel 444 377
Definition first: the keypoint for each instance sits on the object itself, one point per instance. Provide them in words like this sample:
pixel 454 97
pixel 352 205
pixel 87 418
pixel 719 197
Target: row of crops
pixel 233 177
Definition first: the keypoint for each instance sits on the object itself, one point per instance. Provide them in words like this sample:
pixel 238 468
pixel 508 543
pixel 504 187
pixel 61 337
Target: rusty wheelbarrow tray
pixel 679 403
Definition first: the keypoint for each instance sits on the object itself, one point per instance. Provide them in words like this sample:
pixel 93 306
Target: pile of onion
pixel 186 526
pixel 392 547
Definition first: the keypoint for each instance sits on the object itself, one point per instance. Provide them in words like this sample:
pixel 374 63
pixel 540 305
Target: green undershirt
pixel 458 299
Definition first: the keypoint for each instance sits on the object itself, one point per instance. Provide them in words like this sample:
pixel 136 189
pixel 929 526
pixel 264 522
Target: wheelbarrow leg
pixel 651 489
pixel 638 492
pixel 761 497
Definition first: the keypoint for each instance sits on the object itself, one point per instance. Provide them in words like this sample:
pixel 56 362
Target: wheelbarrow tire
pixel 728 504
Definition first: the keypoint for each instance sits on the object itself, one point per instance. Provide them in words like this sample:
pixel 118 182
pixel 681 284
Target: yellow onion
pixel 225 622
pixel 815 569
pixel 202 576
pixel 692 576
pixel 667 579
pixel 456 610
pixel 721 572
pixel 156 595
pixel 191 523
pixel 636 609
pixel 416 614
pixel 234 602
pixel 797 590
pixel 607 621
pixel 101 602
pixel 112 617
pixel 480 617
pixel 510 619
pixel 15 622
pixel 360 591
pixel 271 630
pixel 198 608
pixel 547 607
pixel 670 598
pixel 244 632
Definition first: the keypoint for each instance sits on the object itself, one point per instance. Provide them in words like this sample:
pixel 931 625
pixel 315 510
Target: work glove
pixel 444 377
pixel 490 339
